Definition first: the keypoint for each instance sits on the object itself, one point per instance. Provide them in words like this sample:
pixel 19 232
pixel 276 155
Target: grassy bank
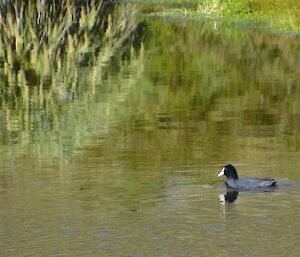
pixel 275 14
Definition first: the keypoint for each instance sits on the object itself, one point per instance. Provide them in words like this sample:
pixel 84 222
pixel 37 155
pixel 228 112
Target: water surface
pixel 127 166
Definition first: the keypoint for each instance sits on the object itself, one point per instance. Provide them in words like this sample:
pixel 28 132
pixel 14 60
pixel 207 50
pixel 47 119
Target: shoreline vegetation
pixel 49 50
pixel 278 15
pixel 45 43
pixel 62 68
pixel 44 34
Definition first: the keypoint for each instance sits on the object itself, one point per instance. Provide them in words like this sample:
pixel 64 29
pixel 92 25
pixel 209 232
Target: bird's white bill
pixel 221 172
pixel 222 198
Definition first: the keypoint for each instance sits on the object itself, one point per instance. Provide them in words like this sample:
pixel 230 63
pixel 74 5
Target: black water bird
pixel 234 182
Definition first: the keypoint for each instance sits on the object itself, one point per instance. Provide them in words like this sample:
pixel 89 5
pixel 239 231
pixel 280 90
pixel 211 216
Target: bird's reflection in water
pixel 229 197
pixel 232 194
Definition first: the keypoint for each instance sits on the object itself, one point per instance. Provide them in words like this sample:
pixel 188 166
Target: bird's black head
pixel 229 171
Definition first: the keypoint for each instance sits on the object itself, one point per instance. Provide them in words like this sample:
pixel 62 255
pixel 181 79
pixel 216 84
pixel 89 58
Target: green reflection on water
pixel 210 93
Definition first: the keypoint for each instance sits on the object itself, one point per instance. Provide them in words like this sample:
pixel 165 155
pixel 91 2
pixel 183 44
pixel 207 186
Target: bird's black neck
pixel 233 174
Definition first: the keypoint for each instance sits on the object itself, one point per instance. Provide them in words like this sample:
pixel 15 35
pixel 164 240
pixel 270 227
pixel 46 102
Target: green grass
pixel 278 14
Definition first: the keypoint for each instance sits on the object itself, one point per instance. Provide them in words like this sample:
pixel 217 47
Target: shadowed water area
pixel 126 162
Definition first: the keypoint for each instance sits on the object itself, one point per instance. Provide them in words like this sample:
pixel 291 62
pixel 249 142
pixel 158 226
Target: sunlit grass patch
pixel 278 14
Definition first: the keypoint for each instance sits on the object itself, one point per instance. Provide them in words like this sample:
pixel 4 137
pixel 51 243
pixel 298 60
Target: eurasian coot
pixel 233 180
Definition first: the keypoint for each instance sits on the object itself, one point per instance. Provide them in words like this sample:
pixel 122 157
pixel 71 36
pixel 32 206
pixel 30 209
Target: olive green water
pixel 129 166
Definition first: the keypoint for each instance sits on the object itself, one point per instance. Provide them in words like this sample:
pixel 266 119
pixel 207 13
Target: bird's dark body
pixel 250 183
pixel 246 183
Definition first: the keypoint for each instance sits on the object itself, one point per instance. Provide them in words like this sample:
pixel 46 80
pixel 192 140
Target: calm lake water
pixel 129 166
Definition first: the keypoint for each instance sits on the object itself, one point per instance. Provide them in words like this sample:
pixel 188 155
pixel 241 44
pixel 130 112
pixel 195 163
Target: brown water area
pixel 126 162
